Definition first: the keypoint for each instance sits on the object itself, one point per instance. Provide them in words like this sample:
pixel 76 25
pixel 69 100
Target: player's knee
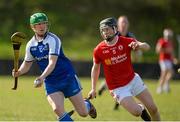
pixel 83 113
pixel 136 113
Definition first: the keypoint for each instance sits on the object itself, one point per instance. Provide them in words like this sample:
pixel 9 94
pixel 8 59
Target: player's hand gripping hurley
pixel 16 39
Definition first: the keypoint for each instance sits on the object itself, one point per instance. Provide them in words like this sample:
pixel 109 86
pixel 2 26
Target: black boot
pixel 116 106
pixel 101 90
pixel 71 112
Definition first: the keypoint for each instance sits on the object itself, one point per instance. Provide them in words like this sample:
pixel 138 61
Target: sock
pixel 88 106
pixel 145 115
pixel 116 106
pixel 65 117
pixel 166 87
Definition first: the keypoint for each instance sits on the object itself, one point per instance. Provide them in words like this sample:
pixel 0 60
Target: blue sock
pixel 88 106
pixel 65 117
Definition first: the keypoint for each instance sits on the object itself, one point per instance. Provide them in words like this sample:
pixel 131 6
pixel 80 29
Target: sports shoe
pixel 92 112
pixel 71 112
pixel 116 106
pixel 100 92
pixel 102 89
pixel 166 88
pixel 159 90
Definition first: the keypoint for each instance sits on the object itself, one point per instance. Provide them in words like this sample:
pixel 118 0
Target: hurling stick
pixel 16 39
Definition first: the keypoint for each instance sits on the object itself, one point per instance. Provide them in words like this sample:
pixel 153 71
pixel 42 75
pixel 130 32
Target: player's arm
pixel 54 50
pixel 143 46
pixel 95 75
pixel 175 60
pixel 24 68
pixel 94 78
pixel 159 48
pixel 50 67
pixel 26 64
pixel 137 45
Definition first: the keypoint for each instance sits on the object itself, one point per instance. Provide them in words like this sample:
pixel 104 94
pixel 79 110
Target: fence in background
pixel 83 69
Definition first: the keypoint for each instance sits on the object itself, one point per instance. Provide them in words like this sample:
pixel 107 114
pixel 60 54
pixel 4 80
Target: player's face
pixel 168 34
pixel 107 32
pixel 40 29
pixel 123 25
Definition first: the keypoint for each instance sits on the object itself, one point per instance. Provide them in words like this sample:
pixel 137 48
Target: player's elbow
pixel 145 47
pixel 148 47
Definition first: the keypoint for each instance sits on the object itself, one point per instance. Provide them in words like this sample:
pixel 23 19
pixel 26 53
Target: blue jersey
pixel 40 51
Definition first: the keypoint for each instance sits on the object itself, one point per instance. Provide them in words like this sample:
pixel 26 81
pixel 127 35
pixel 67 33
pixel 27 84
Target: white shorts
pixel 135 87
pixel 166 64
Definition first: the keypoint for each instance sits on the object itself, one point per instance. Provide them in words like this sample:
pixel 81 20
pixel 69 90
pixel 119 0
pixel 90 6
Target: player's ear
pixel 32 27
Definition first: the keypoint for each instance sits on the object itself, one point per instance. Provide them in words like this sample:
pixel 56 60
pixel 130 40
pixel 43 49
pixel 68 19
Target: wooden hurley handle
pixel 15 83
pixel 16 63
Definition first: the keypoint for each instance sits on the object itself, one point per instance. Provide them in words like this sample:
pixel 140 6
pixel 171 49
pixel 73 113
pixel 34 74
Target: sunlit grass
pixel 28 103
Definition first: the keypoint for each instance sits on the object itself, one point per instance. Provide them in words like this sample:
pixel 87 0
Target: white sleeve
pixel 28 56
pixel 54 46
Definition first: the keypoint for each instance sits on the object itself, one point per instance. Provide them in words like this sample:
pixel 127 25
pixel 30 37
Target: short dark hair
pixel 111 22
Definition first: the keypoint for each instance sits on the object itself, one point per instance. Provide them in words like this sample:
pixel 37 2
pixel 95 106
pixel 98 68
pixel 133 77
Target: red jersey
pixel 116 61
pixel 165 45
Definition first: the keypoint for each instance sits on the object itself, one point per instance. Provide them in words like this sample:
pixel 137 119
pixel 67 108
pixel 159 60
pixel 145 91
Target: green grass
pixel 28 103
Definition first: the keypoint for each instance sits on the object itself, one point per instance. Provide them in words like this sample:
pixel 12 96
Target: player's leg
pixel 137 87
pixel 78 103
pixel 146 98
pixel 145 115
pixel 166 87
pixel 131 106
pixel 82 106
pixel 123 95
pixel 135 109
pixel 56 100
pixel 162 78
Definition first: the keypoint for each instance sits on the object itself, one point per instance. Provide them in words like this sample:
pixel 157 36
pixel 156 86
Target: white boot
pixel 159 90
pixel 166 88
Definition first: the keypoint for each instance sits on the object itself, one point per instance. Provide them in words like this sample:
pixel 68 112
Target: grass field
pixel 30 104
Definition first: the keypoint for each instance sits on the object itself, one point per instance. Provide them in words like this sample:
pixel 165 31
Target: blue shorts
pixel 69 86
